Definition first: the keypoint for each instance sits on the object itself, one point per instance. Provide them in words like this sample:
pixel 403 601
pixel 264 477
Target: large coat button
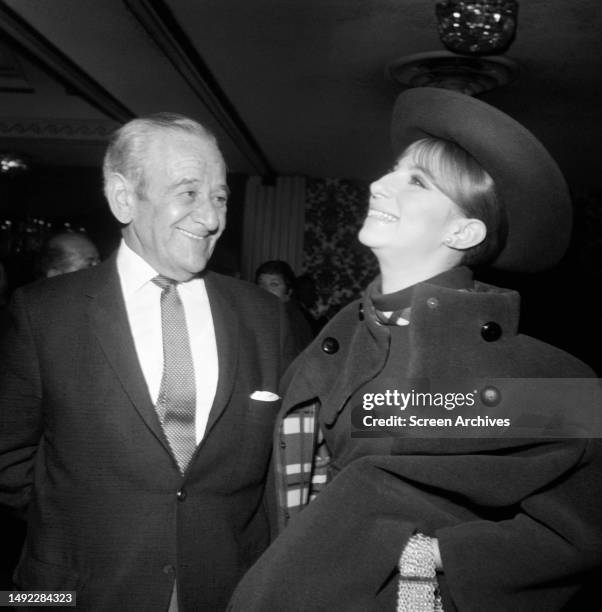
pixel 491 331
pixel 330 345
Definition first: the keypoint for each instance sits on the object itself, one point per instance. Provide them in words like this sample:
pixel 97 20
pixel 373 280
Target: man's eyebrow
pixel 194 181
pixel 183 181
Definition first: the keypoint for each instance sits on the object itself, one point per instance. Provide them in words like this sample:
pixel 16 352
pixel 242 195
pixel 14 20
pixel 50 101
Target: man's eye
pixel 221 200
pixel 416 180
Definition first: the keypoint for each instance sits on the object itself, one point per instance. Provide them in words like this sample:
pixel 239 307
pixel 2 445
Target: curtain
pixel 274 221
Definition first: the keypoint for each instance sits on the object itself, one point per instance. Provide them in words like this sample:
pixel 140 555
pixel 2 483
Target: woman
pixel 440 519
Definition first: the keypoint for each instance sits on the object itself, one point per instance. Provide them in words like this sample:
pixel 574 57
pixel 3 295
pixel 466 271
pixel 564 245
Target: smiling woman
pixel 436 208
pixel 464 518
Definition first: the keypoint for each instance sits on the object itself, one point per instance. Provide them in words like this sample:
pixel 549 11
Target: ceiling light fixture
pixel 477 27
pixel 13 164
pixel 475 32
pixel 469 75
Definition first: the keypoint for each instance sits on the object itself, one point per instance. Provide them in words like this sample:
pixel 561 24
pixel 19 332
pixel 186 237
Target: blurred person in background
pixel 67 252
pixel 277 277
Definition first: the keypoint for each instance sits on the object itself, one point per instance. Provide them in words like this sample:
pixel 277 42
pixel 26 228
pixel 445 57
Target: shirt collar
pixel 133 270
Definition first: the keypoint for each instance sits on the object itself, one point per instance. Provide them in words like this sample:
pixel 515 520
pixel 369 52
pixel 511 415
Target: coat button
pixel 491 331
pixel 169 569
pixel 432 303
pixel 330 346
pixel 181 495
pixel 491 396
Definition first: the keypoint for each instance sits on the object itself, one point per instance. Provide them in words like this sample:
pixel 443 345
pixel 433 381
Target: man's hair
pixel 128 145
pixel 278 267
pixel 464 181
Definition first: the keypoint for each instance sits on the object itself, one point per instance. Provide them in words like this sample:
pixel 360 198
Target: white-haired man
pixel 138 397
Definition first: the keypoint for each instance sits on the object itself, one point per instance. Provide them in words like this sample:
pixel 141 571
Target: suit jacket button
pixel 181 495
pixel 330 345
pixel 169 569
pixel 432 303
pixel 491 331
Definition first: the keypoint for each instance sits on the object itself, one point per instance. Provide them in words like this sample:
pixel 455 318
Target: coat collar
pixel 444 321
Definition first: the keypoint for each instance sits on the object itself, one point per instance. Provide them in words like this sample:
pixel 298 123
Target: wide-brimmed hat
pixel 527 179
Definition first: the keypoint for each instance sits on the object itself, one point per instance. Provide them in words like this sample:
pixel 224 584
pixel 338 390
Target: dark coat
pixel 518 520
pixel 83 454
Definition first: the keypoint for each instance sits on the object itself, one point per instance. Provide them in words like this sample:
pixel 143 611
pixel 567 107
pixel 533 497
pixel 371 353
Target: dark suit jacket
pixel 83 454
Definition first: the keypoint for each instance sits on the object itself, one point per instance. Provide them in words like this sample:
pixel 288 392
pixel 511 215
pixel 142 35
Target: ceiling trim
pixel 64 129
pixel 161 25
pixel 35 46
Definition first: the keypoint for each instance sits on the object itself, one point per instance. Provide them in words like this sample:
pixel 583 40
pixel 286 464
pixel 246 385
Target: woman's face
pixel 408 215
pixel 274 283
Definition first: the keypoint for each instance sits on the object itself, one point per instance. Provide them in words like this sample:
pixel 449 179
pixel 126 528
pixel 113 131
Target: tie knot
pixel 164 282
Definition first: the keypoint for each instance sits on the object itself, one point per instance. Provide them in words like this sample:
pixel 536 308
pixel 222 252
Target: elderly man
pixel 67 252
pixel 137 398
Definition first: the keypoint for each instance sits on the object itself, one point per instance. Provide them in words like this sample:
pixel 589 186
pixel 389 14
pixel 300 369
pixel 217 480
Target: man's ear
pixel 121 197
pixel 466 233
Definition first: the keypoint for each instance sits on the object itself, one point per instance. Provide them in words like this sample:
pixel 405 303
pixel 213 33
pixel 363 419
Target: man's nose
pixel 204 212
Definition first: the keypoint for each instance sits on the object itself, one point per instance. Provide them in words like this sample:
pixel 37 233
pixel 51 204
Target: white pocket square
pixel 264 396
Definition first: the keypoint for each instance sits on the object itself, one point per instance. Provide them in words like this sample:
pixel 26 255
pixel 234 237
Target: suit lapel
pixel 108 318
pixel 227 337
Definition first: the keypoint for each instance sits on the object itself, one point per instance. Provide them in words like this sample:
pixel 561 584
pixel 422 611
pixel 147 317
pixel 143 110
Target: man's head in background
pixel 67 252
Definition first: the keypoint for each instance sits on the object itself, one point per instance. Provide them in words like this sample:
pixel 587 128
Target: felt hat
pixel 527 179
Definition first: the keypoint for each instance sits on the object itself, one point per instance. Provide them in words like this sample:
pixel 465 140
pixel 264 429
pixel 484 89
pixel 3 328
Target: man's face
pixel 177 223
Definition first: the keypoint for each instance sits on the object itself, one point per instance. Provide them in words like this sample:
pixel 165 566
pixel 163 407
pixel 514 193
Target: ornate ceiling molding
pixel 62 129
pixel 40 50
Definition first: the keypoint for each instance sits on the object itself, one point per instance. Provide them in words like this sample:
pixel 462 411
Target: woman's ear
pixel 121 197
pixel 466 233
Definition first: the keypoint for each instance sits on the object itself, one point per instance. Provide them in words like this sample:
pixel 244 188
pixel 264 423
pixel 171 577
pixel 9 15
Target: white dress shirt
pixel 143 305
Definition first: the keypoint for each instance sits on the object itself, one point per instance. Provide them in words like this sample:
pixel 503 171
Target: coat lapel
pixel 108 318
pixel 333 378
pixel 227 337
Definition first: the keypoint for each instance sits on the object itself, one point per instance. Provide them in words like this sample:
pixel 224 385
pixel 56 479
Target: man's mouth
pixel 383 216
pixel 190 234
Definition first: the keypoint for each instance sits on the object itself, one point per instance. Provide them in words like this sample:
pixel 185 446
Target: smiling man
pixel 137 398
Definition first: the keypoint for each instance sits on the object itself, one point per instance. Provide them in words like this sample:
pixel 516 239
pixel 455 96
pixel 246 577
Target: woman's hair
pixel 464 181
pixel 129 144
pixel 277 267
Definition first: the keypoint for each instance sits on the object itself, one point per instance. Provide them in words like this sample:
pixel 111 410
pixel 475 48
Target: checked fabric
pixel 176 405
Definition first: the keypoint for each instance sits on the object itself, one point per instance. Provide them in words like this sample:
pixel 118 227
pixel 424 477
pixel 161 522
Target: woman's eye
pixel 416 180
